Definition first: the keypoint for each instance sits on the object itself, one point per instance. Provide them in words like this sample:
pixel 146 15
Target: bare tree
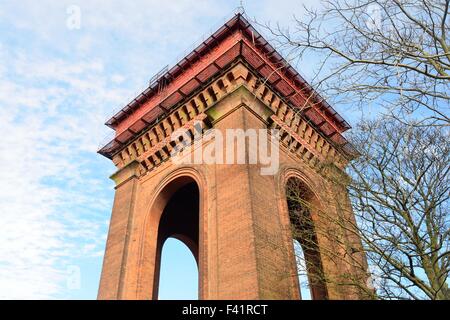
pixel 400 190
pixel 400 193
pixel 393 54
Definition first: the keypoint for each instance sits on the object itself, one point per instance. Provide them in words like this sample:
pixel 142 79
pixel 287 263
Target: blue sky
pixel 57 87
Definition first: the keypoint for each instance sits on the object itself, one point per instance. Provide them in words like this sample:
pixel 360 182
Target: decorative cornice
pixel 235 41
pixel 124 174
pixel 154 146
pixel 236 38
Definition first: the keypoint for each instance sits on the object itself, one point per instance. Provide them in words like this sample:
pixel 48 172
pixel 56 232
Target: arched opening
pixel 301 203
pixel 302 272
pixel 179 220
pixel 178 278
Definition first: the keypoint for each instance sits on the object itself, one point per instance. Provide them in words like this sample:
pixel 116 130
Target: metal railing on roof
pixel 207 34
pixel 106 140
pixel 157 76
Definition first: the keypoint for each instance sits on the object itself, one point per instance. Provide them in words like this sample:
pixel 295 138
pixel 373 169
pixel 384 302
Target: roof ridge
pixel 253 47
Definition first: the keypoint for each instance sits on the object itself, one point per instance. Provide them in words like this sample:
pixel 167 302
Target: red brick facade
pixel 243 247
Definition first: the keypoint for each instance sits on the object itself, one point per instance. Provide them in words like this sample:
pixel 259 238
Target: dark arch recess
pixel 180 220
pixel 301 202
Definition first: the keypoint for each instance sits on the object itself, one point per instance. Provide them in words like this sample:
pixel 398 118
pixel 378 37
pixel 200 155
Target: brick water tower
pixel 234 219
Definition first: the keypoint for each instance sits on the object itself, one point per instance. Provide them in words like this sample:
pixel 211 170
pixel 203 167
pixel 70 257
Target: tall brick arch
pixel 150 246
pixel 286 173
pixel 304 220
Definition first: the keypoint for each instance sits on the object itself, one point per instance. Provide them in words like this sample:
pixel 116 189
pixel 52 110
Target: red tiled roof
pixel 235 39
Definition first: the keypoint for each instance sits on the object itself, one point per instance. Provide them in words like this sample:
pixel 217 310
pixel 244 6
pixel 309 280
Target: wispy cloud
pixel 51 215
